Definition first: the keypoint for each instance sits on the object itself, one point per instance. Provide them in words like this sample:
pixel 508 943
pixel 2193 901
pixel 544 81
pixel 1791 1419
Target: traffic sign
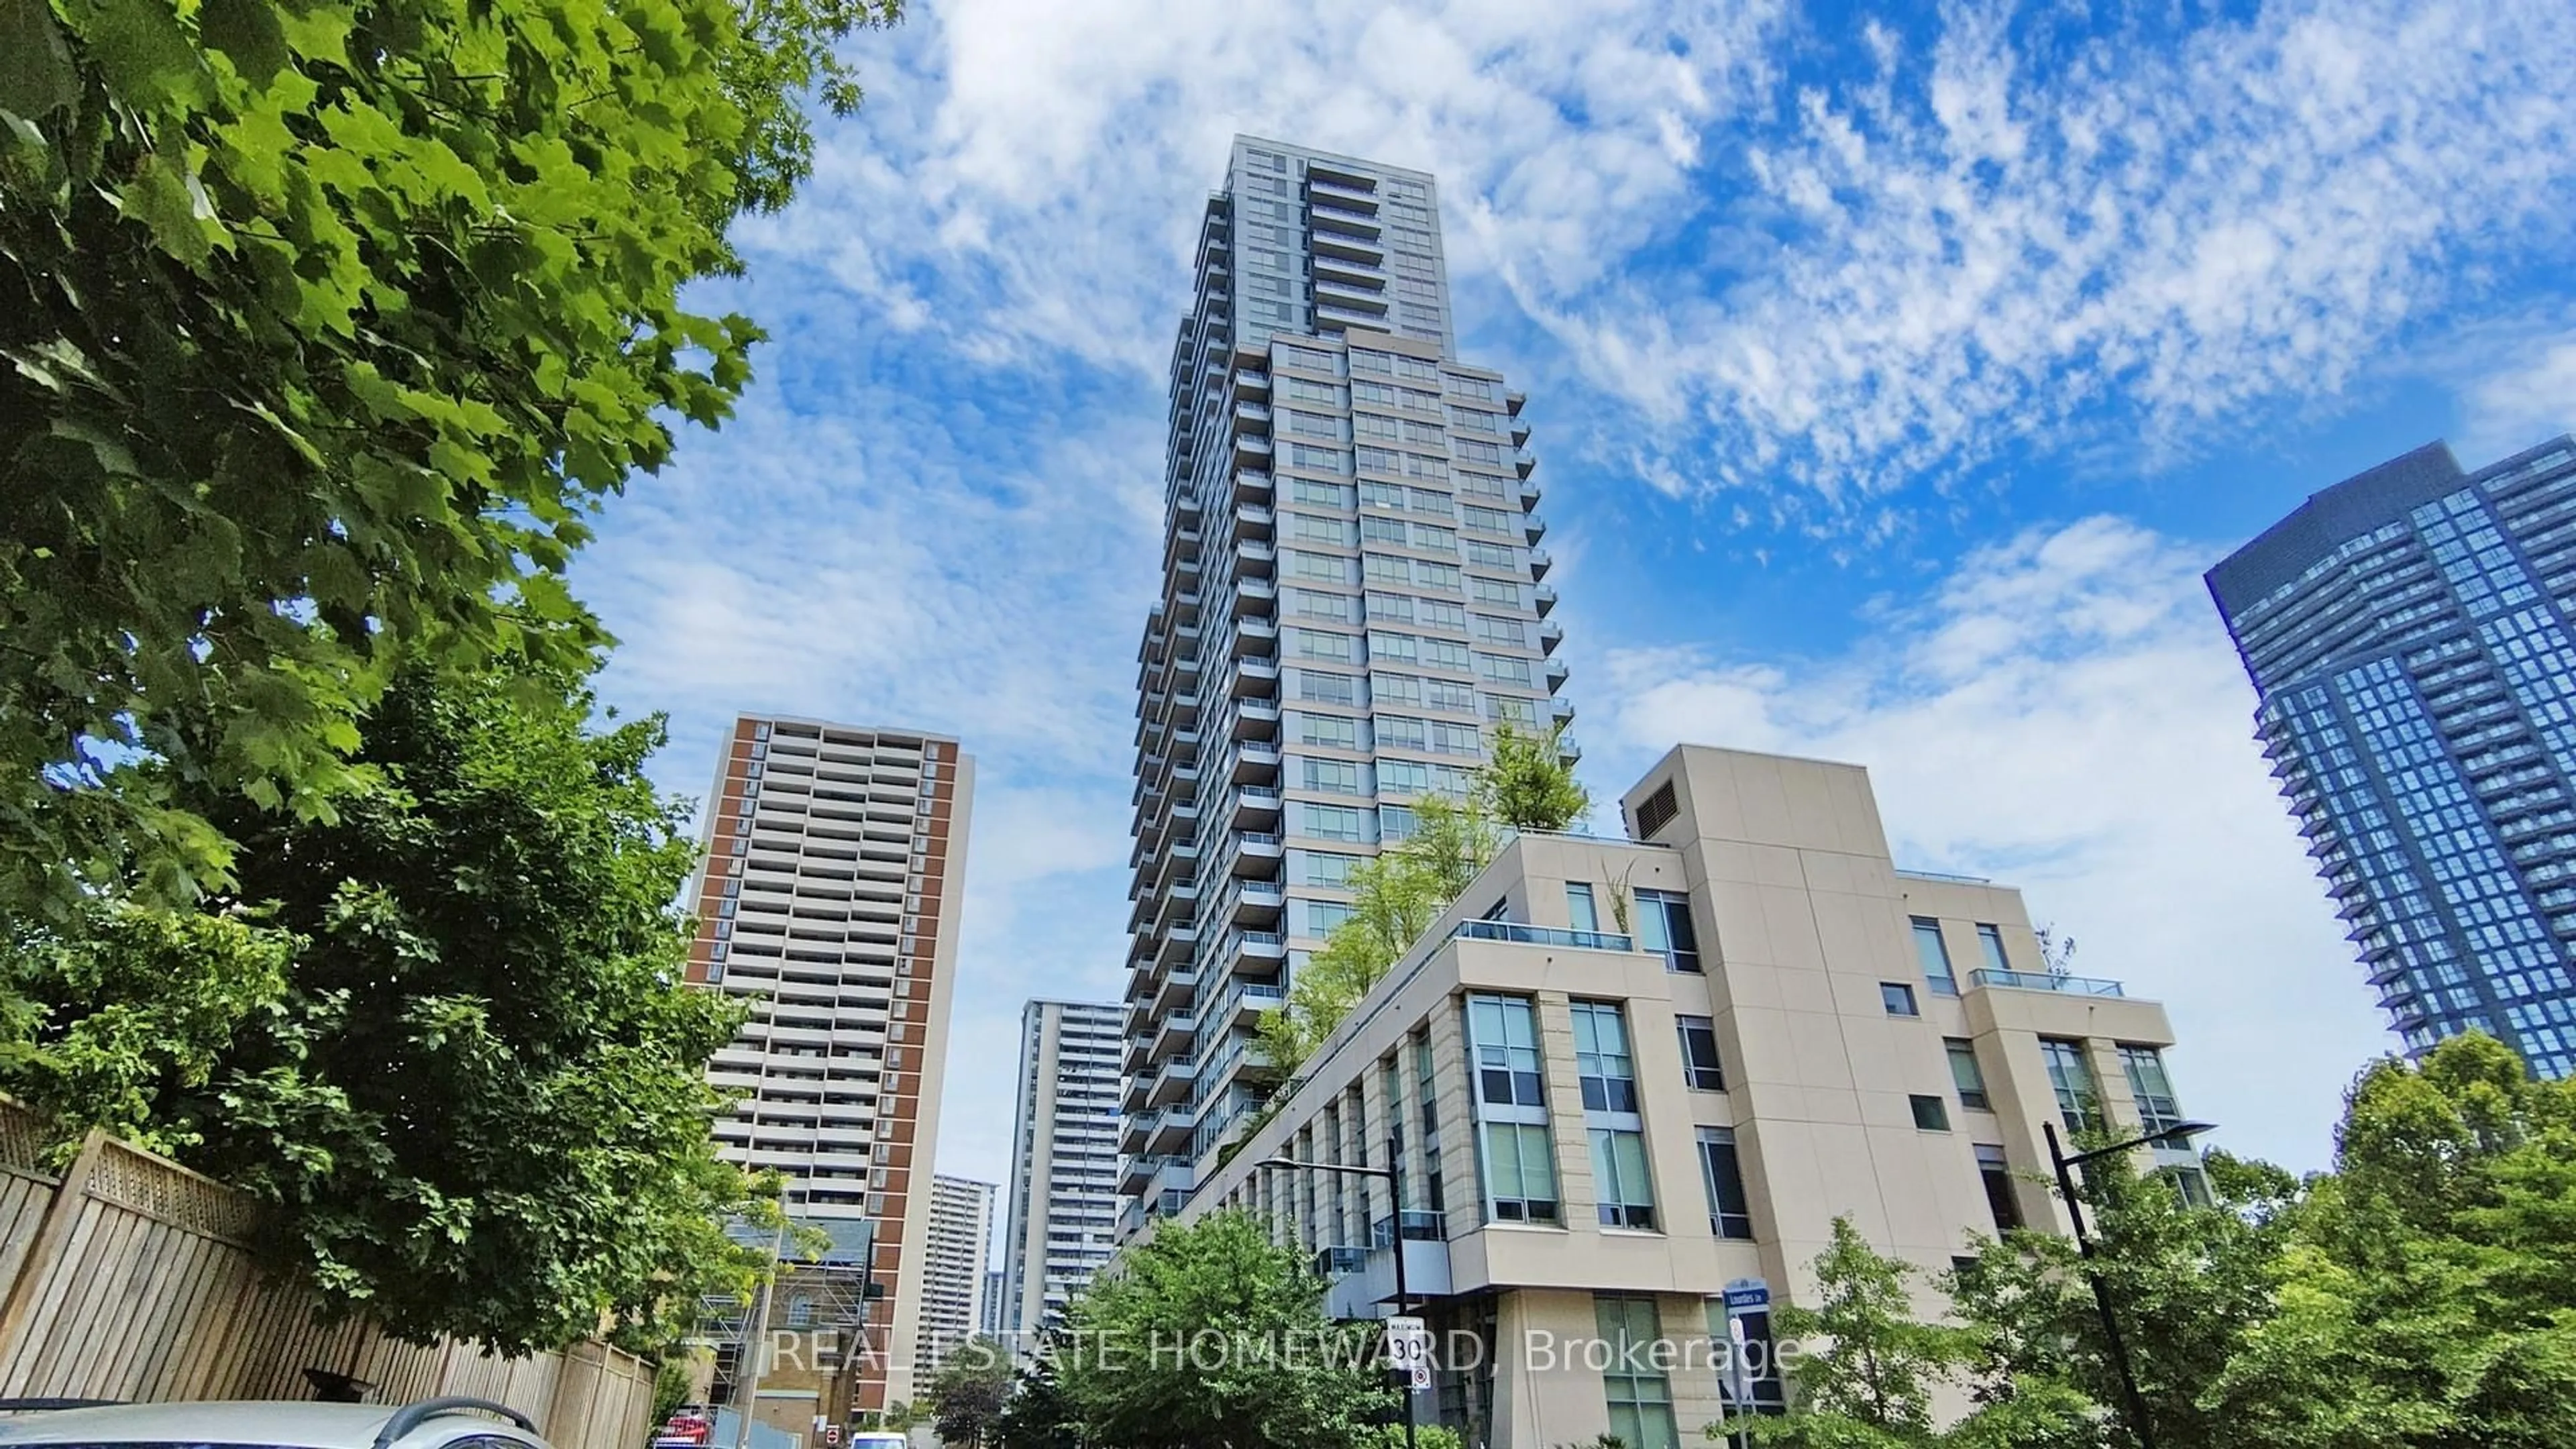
pixel 1748 1295
pixel 1408 1348
pixel 831 1433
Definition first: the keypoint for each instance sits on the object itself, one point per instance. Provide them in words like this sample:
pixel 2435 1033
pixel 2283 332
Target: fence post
pixel 44 1254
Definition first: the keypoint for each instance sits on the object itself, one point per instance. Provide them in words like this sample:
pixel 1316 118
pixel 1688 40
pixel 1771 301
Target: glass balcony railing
pixel 1543 936
pixel 2040 981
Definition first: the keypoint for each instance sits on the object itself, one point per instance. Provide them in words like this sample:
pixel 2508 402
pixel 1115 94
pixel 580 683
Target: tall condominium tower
pixel 1352 597
pixel 834 858
pixel 1063 1205
pixel 2407 631
pixel 952 1280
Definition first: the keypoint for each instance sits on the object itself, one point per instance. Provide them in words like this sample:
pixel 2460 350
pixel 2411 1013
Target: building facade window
pixel 1996 1173
pixel 1934 956
pixel 1965 1074
pixel 1511 1111
pixel 1640 1394
pixel 1579 909
pixel 2079 1100
pixel 1664 924
pixel 1730 1209
pixel 1931 1114
pixel 1990 944
pixel 1623 1190
pixel 1898 998
pixel 1701 1071
pixel 2150 1088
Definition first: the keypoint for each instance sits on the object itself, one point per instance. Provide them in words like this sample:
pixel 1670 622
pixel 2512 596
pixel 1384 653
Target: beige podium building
pixel 1620 1075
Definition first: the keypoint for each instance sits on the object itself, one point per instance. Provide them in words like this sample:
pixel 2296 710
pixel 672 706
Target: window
pixel 1322 460
pixel 1335 822
pixel 1601 1059
pixel 1506 1037
pixel 1323 916
pixel 1664 924
pixel 1328 729
pixel 1640 1394
pixel 2153 1091
pixel 1319 492
pixel 1898 998
pixel 2079 1101
pixel 1624 1194
pixel 1578 906
pixel 1730 1211
pixel 1520 1182
pixel 1511 1110
pixel 1328 688
pixel 2192 1185
pixel 1934 956
pixel 1931 1114
pixel 1965 1074
pixel 1996 1173
pixel 1325 868
pixel 1342 777
pixel 1323 644
pixel 1700 1069
pixel 1306 528
pixel 1990 943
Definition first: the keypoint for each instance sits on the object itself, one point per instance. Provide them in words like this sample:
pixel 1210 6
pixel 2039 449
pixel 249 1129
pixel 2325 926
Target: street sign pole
pixel 1743 1297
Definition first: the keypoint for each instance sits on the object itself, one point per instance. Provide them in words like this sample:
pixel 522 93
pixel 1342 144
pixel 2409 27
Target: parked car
pixel 444 1423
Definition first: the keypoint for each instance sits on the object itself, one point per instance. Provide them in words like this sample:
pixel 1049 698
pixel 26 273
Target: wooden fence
pixel 130 1277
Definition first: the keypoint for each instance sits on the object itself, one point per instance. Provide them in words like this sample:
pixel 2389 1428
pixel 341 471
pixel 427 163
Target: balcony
pixel 1254 852
pixel 1533 527
pixel 1256 678
pixel 1256 719
pixel 1561 710
pixel 1327 219
pixel 1256 806
pixel 1540 563
pixel 1173 1036
pixel 1557 673
pixel 2038 981
pixel 1530 492
pixel 1345 270
pixel 1366 1288
pixel 1261 950
pixel 1256 903
pixel 1251 451
pixel 1329 295
pixel 1254 559
pixel 1523 460
pixel 1550 635
pixel 1251 486
pixel 1255 596
pixel 1173 991
pixel 1355 192
pixel 1252 521
pixel 1256 636
pixel 1544 596
pixel 1245 1003
pixel 1172 1084
pixel 1256 764
pixel 1167 1133
pixel 1568 749
pixel 1514 931
pixel 1334 244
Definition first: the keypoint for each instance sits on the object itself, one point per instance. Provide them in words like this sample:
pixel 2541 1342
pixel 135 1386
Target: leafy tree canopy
pixel 442 1032
pixel 2422 1295
pixel 968 1391
pixel 1210 1336
pixel 1526 784
pixel 325 322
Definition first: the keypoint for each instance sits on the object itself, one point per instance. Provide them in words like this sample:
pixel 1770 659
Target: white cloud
pixel 2065 714
pixel 2528 400
pixel 2002 237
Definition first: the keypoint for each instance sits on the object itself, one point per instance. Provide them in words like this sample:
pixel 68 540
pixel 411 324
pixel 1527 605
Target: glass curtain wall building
pixel 2407 631
pixel 1353 596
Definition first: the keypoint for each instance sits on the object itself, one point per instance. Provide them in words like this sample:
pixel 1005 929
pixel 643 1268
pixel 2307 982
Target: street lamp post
pixel 1395 1219
pixel 2136 1402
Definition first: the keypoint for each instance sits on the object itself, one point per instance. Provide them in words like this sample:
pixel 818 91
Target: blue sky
pixel 1894 371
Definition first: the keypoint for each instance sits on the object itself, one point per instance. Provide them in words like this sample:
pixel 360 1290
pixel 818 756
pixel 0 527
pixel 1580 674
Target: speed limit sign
pixel 1408 1349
